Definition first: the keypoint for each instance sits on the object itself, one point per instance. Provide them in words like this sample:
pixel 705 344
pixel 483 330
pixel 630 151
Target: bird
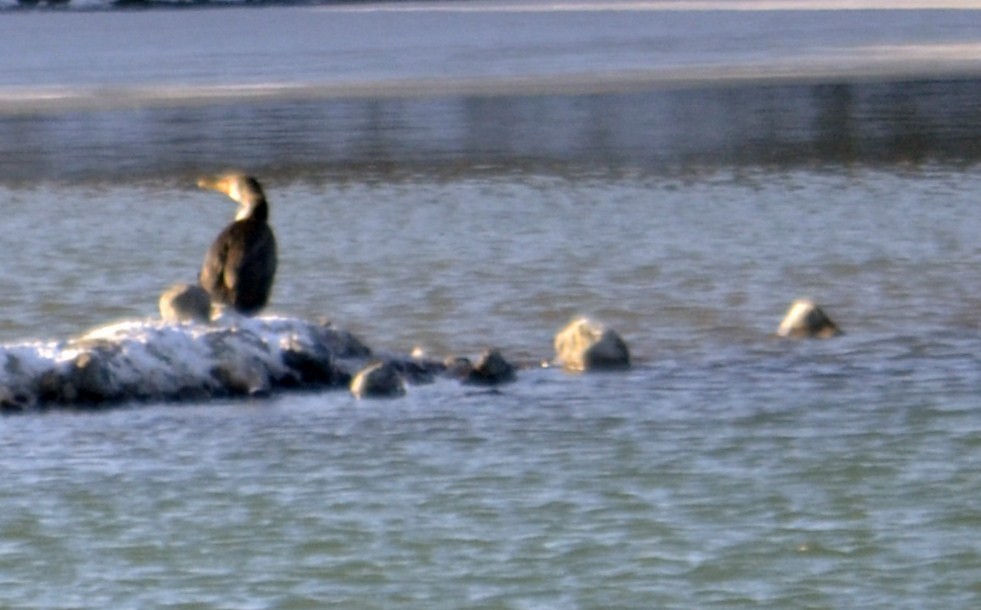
pixel 240 265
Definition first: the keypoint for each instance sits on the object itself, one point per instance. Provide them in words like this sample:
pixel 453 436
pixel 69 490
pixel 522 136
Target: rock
pixel 586 345
pixel 415 371
pixel 312 369
pixel 805 319
pixel 378 380
pixel 491 369
pixel 89 379
pixel 185 303
pixel 340 343
pixel 151 360
pixel 243 362
pixel 457 367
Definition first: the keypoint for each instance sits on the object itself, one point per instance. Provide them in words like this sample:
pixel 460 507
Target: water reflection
pixel 652 130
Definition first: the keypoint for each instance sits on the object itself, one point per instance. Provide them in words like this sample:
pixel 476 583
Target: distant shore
pixel 651 86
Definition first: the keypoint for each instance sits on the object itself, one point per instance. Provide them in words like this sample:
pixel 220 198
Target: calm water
pixel 726 470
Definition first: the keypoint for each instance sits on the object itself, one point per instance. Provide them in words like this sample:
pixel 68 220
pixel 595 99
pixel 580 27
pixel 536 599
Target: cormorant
pixel 239 267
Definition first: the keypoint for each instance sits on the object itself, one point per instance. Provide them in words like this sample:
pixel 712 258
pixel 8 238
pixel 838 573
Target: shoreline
pixel 53 100
pixel 593 85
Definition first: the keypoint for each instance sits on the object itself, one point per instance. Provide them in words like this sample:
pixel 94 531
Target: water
pixel 727 469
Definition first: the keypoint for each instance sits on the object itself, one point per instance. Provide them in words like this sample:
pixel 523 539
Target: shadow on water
pixel 656 130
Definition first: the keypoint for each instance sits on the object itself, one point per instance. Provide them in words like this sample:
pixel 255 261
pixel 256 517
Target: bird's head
pixel 241 188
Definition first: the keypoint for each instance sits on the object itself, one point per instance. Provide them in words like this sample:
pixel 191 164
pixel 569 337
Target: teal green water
pixel 727 469
pixel 547 496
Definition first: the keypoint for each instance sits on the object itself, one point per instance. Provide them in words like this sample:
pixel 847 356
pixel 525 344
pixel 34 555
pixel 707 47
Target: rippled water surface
pixel 728 469
pixel 546 496
pixel 455 180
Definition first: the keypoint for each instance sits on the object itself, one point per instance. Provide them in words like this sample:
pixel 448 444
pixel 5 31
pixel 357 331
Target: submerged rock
pixel 378 380
pixel 491 369
pixel 805 319
pixel 586 345
pixel 457 367
pixel 89 378
pixel 185 303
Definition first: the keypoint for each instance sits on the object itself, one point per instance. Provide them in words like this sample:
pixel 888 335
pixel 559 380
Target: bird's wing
pixel 260 258
pixel 213 271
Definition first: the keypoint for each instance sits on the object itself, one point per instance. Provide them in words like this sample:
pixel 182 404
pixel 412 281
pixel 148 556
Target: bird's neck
pixel 255 209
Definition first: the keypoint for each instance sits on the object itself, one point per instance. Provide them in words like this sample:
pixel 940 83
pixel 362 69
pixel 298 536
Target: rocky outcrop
pixel 230 355
pixel 183 358
pixel 804 319
pixel 587 345
pixel 156 361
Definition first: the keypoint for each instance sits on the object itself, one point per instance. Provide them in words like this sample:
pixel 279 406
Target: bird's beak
pixel 222 184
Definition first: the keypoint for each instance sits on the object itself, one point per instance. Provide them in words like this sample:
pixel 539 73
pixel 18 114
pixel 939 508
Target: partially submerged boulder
pixel 185 303
pixel 491 369
pixel 587 345
pixel 378 380
pixel 805 319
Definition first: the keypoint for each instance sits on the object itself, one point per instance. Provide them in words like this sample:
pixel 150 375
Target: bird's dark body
pixel 239 268
pixel 240 265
